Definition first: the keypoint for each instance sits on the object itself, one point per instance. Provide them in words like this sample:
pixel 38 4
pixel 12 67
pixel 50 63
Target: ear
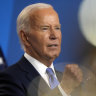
pixel 24 38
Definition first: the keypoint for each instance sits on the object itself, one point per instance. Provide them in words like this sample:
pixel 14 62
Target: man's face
pixel 45 34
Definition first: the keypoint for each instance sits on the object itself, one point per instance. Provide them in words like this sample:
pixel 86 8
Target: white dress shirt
pixel 41 68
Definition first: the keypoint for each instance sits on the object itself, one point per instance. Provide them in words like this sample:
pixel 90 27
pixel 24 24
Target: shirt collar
pixel 40 67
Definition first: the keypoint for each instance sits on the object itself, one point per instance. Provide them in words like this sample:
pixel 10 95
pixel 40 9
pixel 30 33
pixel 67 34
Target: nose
pixel 52 35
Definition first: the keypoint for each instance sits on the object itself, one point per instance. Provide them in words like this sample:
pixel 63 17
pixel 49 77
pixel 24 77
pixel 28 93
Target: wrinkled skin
pixel 43 42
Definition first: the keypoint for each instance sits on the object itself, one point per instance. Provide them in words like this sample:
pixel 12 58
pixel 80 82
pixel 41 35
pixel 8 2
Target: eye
pixel 57 28
pixel 44 28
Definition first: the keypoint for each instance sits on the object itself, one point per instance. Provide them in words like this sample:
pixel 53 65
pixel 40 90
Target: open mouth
pixel 53 45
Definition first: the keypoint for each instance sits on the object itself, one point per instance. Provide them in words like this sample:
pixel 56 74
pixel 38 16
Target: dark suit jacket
pixel 22 79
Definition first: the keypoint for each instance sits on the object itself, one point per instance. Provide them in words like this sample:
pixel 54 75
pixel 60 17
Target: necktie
pixel 52 79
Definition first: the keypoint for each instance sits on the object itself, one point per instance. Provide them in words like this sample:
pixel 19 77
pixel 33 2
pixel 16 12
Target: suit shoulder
pixel 11 69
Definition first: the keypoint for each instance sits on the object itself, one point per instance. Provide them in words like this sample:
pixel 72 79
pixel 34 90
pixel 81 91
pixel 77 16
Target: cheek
pixel 41 43
pixel 35 42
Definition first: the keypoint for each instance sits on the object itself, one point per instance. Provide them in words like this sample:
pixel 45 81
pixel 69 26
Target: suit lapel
pixel 36 85
pixel 34 80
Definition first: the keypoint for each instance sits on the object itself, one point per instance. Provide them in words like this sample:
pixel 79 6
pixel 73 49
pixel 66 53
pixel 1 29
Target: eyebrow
pixel 49 25
pixel 45 26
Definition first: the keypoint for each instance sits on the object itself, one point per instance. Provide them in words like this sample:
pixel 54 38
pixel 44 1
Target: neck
pixel 46 61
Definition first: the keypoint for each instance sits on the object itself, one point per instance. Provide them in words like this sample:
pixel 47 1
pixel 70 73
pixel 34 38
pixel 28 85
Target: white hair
pixel 23 20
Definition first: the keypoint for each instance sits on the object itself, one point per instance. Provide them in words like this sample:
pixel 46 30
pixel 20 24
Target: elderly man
pixel 39 30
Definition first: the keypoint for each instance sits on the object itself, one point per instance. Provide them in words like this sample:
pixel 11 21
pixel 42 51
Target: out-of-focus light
pixel 87 20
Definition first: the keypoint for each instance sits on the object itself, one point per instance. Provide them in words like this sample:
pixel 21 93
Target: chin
pixel 54 56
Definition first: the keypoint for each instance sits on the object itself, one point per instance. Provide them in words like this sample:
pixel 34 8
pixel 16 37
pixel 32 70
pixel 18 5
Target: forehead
pixel 44 15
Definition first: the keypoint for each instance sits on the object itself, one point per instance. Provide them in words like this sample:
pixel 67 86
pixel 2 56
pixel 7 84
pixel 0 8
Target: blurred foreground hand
pixel 72 77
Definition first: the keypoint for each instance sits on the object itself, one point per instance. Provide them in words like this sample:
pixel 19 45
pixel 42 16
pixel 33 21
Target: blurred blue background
pixel 74 45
